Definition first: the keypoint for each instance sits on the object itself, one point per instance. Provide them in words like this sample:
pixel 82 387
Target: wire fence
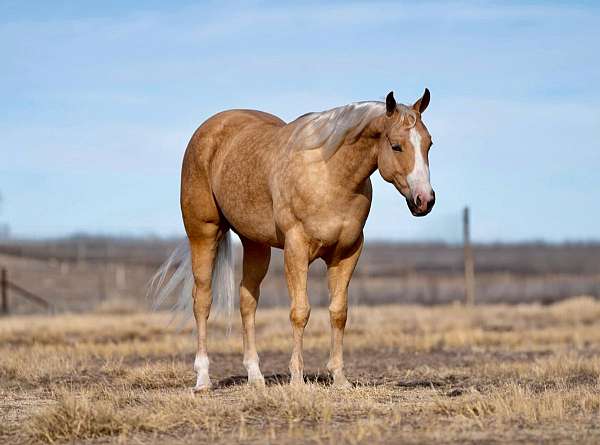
pixel 83 273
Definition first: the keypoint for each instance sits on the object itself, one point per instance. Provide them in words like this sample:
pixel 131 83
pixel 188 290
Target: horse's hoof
pixel 342 383
pixel 199 389
pixel 297 381
pixel 258 382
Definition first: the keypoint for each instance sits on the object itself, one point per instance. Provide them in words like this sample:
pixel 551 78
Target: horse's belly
pixel 244 199
pixel 250 219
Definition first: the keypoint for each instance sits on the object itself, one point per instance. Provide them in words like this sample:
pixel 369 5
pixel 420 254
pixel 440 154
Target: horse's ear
pixel 390 103
pixel 423 102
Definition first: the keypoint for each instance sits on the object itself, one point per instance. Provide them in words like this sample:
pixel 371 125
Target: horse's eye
pixel 396 147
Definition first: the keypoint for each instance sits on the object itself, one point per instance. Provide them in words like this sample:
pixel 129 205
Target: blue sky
pixel 99 99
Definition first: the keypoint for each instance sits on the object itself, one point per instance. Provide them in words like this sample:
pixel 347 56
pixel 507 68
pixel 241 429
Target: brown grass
pixel 441 374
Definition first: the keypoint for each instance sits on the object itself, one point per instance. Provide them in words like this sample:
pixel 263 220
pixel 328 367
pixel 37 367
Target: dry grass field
pixel 499 374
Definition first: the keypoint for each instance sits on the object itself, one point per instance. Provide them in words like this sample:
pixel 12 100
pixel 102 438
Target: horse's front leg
pixel 295 254
pixel 339 271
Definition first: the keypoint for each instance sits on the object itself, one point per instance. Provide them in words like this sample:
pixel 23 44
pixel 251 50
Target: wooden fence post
pixel 469 262
pixel 4 291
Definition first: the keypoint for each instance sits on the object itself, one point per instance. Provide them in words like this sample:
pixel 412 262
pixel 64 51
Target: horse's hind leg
pixel 203 248
pixel 255 265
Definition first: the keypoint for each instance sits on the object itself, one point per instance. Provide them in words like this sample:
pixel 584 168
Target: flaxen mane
pixel 329 129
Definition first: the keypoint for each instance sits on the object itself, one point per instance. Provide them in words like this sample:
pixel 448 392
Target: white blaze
pixel 418 178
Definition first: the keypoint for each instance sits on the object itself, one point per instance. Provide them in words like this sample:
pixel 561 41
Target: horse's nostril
pixel 418 201
pixel 431 202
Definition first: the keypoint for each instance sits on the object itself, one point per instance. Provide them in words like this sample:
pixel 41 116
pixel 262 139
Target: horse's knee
pixel 338 315
pixel 299 315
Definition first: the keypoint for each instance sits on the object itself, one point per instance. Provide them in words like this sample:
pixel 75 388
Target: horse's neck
pixel 354 163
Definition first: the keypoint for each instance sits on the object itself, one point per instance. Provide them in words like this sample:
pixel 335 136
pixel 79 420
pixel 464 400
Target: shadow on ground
pixel 274 379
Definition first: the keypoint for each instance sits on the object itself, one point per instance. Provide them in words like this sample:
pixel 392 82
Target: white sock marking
pixel 253 370
pixel 201 367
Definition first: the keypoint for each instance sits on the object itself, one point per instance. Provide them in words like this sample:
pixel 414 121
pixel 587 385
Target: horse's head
pixel 404 153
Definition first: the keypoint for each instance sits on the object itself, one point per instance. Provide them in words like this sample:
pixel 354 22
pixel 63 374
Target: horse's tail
pixel 223 281
pixel 162 285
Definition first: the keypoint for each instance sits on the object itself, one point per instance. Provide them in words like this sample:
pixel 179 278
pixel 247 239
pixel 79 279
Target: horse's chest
pixel 326 207
pixel 333 218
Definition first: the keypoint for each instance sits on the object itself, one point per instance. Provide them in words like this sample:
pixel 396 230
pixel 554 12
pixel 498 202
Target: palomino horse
pixel 303 187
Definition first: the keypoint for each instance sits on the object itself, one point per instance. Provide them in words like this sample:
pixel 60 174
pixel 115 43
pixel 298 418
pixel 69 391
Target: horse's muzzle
pixel 421 205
